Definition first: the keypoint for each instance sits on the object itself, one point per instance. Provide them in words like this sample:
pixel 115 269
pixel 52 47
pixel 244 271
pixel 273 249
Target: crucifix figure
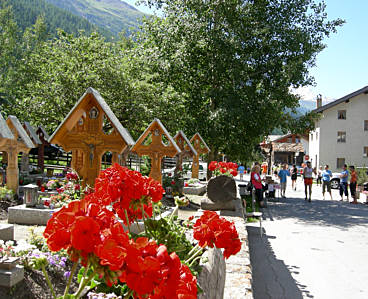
pixel 156 150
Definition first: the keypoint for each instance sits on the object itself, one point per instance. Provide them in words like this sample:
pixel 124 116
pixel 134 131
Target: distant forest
pixel 27 11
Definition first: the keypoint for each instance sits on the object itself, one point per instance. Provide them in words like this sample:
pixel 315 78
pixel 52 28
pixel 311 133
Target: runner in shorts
pixel 308 180
pixel 326 181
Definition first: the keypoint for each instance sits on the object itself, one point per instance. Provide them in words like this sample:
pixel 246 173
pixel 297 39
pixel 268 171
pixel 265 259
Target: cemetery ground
pixel 310 250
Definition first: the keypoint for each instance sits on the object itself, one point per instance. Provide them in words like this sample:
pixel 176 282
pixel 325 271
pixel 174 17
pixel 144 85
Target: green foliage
pixel 146 166
pixel 235 61
pixel 362 176
pixel 5 192
pixel 169 233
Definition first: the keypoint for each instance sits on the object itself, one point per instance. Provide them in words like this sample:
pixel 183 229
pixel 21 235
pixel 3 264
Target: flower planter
pixel 23 215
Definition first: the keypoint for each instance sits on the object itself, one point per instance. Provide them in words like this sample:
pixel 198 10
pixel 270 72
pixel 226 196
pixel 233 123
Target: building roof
pixel 280 137
pixel 4 129
pixel 343 99
pixel 32 133
pixel 181 133
pixel 21 132
pixel 288 147
pixel 108 112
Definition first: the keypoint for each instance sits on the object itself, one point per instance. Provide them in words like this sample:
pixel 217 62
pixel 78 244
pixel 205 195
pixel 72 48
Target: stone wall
pixel 238 268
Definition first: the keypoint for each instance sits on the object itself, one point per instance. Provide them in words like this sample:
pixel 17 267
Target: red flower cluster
pixel 72 176
pixel 224 167
pixel 151 270
pixel 212 230
pixel 127 191
pixel 88 230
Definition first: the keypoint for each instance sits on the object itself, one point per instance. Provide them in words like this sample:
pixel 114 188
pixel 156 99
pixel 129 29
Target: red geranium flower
pixel 212 230
pixel 85 234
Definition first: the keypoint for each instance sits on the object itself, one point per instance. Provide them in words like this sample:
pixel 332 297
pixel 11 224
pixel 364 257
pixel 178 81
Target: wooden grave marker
pixel 20 144
pixel 201 147
pixel 156 149
pixel 82 132
pixel 44 137
pixel 187 150
pixel 36 141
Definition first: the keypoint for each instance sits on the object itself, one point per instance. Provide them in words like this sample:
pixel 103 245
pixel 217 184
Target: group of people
pixel 323 178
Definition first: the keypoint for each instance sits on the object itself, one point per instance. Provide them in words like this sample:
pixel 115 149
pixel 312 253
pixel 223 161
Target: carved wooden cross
pixel 187 150
pixel 156 150
pixel 20 144
pixel 82 133
pixel 201 147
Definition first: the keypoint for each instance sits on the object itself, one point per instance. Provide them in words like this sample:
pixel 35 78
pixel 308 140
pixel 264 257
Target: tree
pixel 235 61
pixel 8 42
pixel 57 73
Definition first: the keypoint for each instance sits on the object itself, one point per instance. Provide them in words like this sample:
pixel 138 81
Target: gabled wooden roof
pixel 32 133
pixel 147 131
pixel 201 139
pixel 21 132
pixel 106 109
pixel 4 129
pixel 191 148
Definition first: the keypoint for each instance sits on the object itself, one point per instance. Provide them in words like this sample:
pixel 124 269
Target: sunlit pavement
pixel 310 250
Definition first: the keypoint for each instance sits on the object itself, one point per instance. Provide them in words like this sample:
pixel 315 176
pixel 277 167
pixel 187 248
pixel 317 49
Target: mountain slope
pixel 27 11
pixel 113 15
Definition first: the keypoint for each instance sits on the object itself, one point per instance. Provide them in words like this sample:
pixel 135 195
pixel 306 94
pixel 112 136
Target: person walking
pixel 353 183
pixel 241 170
pixel 294 176
pixel 283 174
pixel 326 181
pixel 319 176
pixel 308 180
pixel 257 183
pixel 344 176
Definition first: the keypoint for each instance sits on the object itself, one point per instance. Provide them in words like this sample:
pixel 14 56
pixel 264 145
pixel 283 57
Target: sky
pixel 342 67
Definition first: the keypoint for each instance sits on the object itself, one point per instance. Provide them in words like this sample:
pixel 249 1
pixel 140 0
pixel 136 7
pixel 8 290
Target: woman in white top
pixel 308 180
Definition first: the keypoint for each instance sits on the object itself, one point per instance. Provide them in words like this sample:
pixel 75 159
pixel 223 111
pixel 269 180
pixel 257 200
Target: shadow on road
pixel 271 277
pixel 323 212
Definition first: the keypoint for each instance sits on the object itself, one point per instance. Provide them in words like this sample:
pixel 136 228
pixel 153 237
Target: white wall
pixel 314 146
pixel 356 138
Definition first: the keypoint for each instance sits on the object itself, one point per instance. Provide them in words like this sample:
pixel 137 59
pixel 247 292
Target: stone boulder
pixel 221 193
pixel 221 189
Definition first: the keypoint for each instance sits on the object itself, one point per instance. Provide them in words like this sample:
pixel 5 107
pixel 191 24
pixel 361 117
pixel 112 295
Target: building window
pixel 365 151
pixel 290 140
pixel 366 125
pixel 341 114
pixel 340 162
pixel 341 137
pixel 297 140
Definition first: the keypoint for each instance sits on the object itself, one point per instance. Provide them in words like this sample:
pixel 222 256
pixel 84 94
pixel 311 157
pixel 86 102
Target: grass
pixel 248 199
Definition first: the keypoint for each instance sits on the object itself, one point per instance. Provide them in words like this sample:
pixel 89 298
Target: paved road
pixel 310 250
